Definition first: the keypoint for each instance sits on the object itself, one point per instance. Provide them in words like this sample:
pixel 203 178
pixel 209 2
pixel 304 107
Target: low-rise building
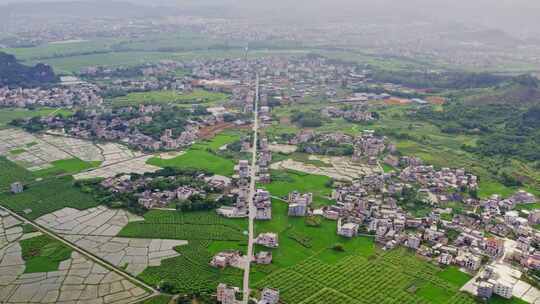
pixel 17 187
pixel 268 239
pixel 226 294
pixel 269 296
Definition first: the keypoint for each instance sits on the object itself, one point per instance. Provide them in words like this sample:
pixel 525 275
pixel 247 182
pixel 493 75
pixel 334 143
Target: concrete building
pixel 503 289
pixel 17 187
pixel 269 240
pixel 226 294
pixel 269 296
pixel 347 230
pixel 484 290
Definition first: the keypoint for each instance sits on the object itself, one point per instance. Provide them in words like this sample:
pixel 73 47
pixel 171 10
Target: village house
pixel 299 203
pixel 17 187
pixel 348 230
pixel 269 296
pixel 226 294
pixel 268 239
pixel 263 258
pixel 225 259
pixel 263 205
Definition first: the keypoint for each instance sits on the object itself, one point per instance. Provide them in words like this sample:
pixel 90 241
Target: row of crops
pixel 204 225
pixel 190 272
pixel 48 196
pixel 388 278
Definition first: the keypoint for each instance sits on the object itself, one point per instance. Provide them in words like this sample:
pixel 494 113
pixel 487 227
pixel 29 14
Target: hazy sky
pixel 516 16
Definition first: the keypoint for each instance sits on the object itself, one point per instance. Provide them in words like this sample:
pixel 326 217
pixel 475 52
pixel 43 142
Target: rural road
pixel 252 190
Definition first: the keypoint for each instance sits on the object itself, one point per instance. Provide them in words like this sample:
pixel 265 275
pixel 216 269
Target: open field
pixel 11 172
pixel 39 270
pixel 95 230
pixel 43 254
pixel 284 182
pixel 204 225
pixel 66 166
pixel 9 114
pixel 317 241
pixel 189 272
pixel 202 156
pixel 169 97
pixel 46 197
pixel 392 277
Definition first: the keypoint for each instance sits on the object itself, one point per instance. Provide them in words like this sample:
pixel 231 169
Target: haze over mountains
pixel 519 17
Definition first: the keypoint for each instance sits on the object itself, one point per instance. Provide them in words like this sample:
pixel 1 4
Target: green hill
pixel 12 73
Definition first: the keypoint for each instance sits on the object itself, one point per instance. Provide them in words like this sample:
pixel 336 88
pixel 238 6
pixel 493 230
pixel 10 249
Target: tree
pixel 338 247
pixel 166 287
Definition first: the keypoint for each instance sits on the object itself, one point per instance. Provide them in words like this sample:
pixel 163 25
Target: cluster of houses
pixel 159 198
pixel 371 206
pixel 357 113
pixel 368 146
pixel 69 96
pixel 437 181
pixel 115 127
pixel 362 97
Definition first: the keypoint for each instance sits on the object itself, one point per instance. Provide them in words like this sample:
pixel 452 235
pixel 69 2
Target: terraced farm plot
pixel 41 270
pixel 46 197
pixel 384 278
pixel 190 272
pixel 206 225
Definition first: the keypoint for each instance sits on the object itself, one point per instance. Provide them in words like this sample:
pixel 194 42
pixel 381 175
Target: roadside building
pixel 17 187
pixel 269 296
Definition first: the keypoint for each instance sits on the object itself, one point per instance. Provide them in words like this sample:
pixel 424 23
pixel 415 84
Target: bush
pixel 338 247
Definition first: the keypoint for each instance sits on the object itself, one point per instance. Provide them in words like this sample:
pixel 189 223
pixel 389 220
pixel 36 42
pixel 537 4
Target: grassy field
pixel 202 156
pixel 67 166
pixel 391 277
pixel 320 239
pixel 169 97
pixel 285 182
pixel 453 276
pixel 43 254
pixel 9 114
pixel 11 172
pixel 46 197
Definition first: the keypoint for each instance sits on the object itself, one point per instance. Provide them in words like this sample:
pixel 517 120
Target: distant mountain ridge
pixel 522 90
pixel 12 73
